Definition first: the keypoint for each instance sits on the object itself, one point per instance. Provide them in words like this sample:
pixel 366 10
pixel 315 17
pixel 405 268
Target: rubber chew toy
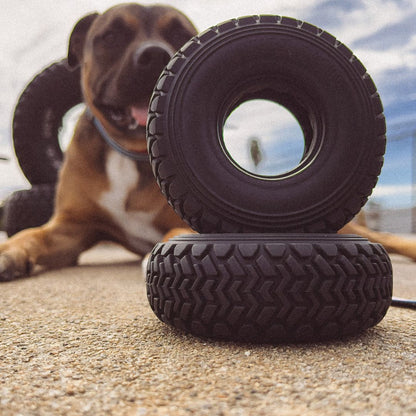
pixel 267 265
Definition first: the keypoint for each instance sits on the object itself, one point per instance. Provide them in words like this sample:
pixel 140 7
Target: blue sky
pixel 381 33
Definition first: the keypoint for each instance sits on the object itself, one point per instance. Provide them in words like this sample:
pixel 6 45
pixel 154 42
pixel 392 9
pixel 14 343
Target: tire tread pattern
pixel 265 291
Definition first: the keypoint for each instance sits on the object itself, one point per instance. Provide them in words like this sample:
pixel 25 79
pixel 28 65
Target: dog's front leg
pixel 391 242
pixel 56 244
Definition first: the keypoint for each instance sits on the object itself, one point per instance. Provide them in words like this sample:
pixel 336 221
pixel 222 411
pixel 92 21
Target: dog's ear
pixel 77 39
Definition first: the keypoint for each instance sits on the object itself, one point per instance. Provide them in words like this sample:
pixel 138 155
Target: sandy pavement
pixel 84 341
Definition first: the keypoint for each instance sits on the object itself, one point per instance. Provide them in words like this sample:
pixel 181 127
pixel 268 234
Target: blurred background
pixel 381 33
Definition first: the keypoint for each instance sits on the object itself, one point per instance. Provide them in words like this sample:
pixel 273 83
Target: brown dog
pixel 102 194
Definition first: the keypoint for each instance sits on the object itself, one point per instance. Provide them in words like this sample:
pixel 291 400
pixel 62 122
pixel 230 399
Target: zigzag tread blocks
pixel 305 290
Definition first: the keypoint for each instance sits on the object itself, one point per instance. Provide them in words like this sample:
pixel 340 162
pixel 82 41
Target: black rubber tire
pixel 38 118
pixel 269 287
pixel 28 208
pixel 306 70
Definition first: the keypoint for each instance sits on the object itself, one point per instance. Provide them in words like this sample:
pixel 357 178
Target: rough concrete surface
pixel 84 341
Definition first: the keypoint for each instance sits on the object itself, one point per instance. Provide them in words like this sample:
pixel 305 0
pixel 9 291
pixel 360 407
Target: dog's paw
pixel 6 268
pixel 175 232
pixel 145 260
pixel 12 267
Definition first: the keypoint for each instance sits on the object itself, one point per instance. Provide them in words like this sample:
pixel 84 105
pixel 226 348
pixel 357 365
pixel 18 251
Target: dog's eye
pixel 110 38
pixel 116 35
pixel 176 34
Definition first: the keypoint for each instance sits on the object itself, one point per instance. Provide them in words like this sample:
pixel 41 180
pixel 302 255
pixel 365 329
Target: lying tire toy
pixel 269 287
pixel 38 118
pixel 28 208
pixel 302 68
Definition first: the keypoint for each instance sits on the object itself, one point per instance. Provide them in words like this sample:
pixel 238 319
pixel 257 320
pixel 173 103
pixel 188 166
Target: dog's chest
pixel 124 177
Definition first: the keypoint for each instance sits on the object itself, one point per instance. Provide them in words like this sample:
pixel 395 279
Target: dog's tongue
pixel 140 115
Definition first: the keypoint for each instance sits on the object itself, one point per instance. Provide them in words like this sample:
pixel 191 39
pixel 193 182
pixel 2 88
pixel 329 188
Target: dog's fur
pixel 101 194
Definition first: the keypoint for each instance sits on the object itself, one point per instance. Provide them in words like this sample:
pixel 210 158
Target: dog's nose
pixel 152 56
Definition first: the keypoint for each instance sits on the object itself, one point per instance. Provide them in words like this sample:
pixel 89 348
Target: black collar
pixel 136 156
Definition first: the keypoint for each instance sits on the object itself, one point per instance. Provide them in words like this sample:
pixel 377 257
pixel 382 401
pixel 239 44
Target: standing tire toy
pixel 28 208
pixel 269 287
pixel 302 68
pixel 38 119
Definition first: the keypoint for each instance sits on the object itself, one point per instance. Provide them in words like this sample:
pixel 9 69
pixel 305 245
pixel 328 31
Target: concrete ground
pixel 84 341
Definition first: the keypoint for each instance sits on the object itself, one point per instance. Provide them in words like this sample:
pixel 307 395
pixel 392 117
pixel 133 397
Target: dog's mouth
pixel 129 119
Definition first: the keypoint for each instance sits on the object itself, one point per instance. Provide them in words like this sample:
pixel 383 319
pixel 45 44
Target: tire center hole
pixel 69 122
pixel 263 138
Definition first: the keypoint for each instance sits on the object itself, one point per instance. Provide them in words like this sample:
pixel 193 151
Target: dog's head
pixel 122 53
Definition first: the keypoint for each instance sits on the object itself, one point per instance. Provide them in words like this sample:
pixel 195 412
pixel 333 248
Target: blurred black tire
pixel 38 118
pixel 28 208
